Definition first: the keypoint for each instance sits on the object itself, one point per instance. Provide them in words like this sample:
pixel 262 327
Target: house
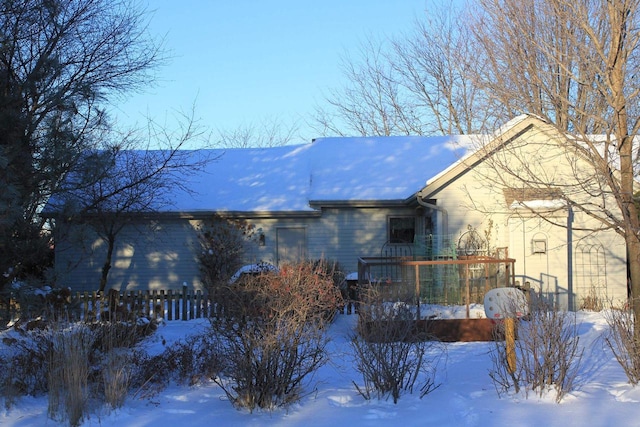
pixel 343 198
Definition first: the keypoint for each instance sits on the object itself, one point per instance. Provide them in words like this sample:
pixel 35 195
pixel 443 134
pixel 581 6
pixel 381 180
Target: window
pixel 402 229
pixel 539 246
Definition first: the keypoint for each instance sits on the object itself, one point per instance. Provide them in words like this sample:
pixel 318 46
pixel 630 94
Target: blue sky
pixel 248 61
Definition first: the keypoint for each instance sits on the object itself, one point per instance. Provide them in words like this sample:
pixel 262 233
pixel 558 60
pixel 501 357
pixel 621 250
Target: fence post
pixel 486 277
pixel 467 286
pixel 208 304
pixel 155 307
pixel 417 276
pixel 94 310
pixel 510 342
pixel 145 304
pixel 127 299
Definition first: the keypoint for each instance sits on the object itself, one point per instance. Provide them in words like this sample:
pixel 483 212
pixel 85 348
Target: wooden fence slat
pixel 162 304
pixel 145 304
pixel 198 302
pixel 184 301
pixel 153 306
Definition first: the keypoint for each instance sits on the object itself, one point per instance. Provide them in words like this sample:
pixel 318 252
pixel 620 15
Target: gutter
pixel 317 204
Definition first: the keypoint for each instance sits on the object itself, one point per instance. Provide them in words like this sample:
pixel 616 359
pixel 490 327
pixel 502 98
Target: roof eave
pixel 203 214
pixel 465 164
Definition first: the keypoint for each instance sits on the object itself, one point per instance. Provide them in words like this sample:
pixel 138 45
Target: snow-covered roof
pixel 332 170
pixel 336 169
pixel 472 142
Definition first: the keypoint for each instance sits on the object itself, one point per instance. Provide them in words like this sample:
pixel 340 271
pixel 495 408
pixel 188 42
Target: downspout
pixel 443 211
pixel 570 258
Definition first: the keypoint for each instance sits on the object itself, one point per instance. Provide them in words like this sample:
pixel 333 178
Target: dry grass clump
pixel 593 300
pixel 68 373
pixel 75 364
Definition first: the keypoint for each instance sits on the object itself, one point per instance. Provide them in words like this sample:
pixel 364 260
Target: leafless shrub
pixel 23 369
pixel 222 245
pixel 9 391
pixel 189 361
pixel 623 344
pixel 195 359
pixel 546 350
pixel 71 362
pixel 150 374
pixel 121 334
pixel 388 353
pixel 53 358
pixel 34 300
pixel 275 340
pixel 268 363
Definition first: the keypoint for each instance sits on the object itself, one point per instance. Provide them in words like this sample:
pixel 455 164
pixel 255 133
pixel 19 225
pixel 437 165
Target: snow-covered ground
pixel 466 397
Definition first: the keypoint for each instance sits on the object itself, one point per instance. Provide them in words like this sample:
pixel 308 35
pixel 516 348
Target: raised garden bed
pixel 445 330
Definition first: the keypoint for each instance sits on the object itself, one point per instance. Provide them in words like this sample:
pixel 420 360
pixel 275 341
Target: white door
pixel 291 244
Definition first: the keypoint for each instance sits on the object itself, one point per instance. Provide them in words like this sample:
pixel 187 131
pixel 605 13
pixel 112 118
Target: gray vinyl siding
pixel 159 255
pixel 340 235
pixel 343 235
pixel 163 254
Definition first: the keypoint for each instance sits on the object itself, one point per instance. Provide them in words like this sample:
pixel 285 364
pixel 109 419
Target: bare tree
pixel 546 58
pixel 111 188
pixel 434 65
pixel 268 133
pixel 59 64
pixel 575 64
pixel 415 84
pixel 372 103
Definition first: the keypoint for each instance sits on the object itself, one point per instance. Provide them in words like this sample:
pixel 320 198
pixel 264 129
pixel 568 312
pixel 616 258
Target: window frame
pixel 394 237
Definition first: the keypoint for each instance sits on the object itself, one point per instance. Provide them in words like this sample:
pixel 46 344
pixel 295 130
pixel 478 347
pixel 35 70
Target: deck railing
pixel 461 281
